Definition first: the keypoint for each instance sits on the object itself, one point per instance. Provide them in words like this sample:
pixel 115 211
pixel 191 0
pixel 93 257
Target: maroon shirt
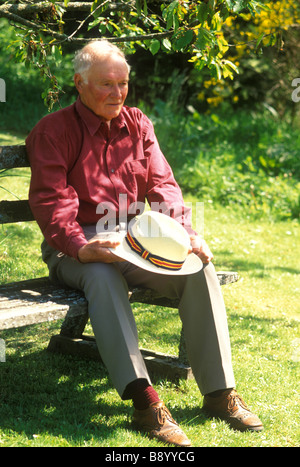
pixel 77 163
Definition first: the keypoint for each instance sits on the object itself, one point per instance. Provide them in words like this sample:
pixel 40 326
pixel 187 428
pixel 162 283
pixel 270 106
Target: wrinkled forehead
pixel 113 67
pixel 98 57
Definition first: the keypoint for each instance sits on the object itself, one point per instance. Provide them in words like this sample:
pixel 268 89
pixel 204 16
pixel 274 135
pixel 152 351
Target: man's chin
pixel 113 113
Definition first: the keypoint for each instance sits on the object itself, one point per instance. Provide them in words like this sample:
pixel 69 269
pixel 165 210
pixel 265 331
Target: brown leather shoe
pixel 158 423
pixel 229 406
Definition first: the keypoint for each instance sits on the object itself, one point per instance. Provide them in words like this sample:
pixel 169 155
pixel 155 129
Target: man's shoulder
pixel 133 112
pixel 136 117
pixel 57 122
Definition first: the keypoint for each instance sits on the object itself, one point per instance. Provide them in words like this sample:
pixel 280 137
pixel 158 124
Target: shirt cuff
pixel 74 246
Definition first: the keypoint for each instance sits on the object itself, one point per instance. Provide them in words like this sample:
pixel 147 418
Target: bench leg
pixel 71 341
pixel 74 325
pixel 70 333
pixel 182 354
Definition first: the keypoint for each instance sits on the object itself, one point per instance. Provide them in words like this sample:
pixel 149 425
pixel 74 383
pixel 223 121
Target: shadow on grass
pixel 60 396
pixel 67 400
pixel 256 268
pixel 48 396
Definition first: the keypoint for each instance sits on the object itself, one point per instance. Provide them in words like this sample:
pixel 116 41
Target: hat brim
pixel 191 265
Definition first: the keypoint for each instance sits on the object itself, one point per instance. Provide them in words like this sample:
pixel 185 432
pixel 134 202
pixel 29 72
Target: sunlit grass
pixel 56 400
pixel 7 138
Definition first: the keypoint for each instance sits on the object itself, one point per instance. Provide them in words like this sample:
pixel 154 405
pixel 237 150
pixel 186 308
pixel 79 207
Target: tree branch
pixel 29 24
pixel 141 37
pixel 7 10
pixel 86 19
pixel 27 10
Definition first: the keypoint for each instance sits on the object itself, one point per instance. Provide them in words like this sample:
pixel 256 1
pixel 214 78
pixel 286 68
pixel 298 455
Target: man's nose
pixel 116 90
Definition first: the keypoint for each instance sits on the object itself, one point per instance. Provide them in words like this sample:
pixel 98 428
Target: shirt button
pixel 112 171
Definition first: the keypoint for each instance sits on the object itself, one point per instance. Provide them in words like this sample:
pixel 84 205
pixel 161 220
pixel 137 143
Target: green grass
pixel 239 157
pixel 59 400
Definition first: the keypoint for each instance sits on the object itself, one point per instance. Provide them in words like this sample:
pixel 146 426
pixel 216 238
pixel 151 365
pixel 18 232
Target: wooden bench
pixel 38 300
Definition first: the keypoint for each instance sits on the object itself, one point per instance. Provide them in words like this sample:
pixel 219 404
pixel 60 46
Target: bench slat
pixel 15 211
pixel 20 316
pixel 13 156
pixel 38 300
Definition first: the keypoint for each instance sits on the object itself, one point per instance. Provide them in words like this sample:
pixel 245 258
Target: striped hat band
pixel 158 261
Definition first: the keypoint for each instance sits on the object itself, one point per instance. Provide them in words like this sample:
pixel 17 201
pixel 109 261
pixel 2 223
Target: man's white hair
pixel 93 51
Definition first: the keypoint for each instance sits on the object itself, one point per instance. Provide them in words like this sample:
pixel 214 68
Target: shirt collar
pixel 92 120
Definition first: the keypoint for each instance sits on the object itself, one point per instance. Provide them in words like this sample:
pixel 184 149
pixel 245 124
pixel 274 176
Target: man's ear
pixel 78 81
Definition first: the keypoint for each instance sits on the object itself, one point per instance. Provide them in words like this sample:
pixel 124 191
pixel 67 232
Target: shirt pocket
pixel 137 177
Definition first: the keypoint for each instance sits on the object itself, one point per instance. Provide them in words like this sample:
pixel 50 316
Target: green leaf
pixel 145 10
pixel 215 70
pixel 138 4
pixel 228 63
pixel 102 28
pixel 260 38
pixel 184 40
pixel 56 53
pixel 95 22
pixel 236 5
pixel 154 46
pixel 170 15
pixel 205 38
pixel 202 12
pixel 167 44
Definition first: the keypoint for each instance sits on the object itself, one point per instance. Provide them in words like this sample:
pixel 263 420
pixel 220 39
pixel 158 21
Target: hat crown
pixel 161 235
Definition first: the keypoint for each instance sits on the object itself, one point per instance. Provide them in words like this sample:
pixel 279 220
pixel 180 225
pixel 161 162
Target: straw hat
pixel 158 243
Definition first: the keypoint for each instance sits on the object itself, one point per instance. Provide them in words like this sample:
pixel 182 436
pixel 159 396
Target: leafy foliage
pixel 265 48
pixel 194 28
pixel 233 158
pixel 247 157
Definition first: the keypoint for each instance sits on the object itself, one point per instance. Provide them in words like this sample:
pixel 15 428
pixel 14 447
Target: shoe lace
pixel 235 400
pixel 163 414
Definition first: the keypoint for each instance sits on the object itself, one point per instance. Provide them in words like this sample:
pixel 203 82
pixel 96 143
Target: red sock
pixel 141 393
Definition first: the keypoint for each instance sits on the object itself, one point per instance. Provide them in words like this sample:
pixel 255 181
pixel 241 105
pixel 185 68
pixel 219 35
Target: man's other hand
pixel 201 249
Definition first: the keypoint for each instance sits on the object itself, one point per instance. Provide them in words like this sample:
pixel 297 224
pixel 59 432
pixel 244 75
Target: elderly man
pixel 86 160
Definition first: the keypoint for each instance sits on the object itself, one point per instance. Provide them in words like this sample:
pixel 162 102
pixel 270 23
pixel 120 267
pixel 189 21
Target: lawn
pixel 58 400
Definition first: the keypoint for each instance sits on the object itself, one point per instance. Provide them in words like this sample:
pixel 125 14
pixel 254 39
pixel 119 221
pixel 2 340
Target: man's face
pixel 106 87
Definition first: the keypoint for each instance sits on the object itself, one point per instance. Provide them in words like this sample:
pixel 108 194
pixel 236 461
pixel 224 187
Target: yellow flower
pixel 214 101
pixel 201 96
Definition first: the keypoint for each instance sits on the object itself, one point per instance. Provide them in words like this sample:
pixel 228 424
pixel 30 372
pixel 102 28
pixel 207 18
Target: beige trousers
pixel 201 309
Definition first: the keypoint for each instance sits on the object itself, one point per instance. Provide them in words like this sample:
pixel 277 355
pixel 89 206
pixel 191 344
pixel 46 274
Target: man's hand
pixel 97 251
pixel 201 249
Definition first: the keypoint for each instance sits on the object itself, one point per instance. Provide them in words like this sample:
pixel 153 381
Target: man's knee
pixel 89 275
pixel 100 273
